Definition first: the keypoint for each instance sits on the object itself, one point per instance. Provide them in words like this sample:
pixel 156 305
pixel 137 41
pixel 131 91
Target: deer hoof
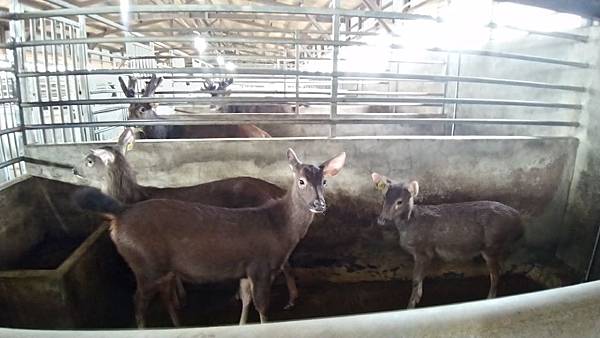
pixel 289 306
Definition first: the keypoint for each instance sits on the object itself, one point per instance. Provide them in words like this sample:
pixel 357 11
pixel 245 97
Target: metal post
pixel 67 80
pixel 335 25
pixel 16 27
pixel 297 52
pixel 58 86
pixel 455 106
pixel 38 96
pixel 48 84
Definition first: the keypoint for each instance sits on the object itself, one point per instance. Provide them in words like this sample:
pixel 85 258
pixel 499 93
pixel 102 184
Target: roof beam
pixel 374 7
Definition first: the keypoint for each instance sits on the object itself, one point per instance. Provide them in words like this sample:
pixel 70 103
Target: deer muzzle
pixel 318 206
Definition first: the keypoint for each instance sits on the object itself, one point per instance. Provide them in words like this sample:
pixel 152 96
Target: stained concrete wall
pixel 530 174
pixel 583 214
pixel 32 209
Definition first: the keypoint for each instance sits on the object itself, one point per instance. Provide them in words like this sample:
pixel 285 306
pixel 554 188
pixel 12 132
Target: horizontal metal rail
pixel 10 162
pixel 190 39
pixel 226 100
pixel 11 130
pixel 191 8
pixel 9 100
pixel 292 92
pixel 271 72
pixel 166 122
pixel 493 25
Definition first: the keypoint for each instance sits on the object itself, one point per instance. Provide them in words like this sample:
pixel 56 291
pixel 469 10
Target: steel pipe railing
pixel 515 56
pixel 320 121
pixel 248 100
pixel 249 71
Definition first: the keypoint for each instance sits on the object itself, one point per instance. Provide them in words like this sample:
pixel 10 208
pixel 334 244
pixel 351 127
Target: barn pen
pixel 474 100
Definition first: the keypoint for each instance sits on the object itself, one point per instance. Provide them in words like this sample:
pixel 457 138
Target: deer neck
pixel 295 215
pixel 122 185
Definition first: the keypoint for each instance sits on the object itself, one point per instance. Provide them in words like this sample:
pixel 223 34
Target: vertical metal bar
pixel 67 85
pixel 335 25
pixel 58 90
pixel 297 54
pixel 83 58
pixel 37 78
pixel 74 67
pixel 47 78
pixel 455 105
pixel 590 266
pixel 446 72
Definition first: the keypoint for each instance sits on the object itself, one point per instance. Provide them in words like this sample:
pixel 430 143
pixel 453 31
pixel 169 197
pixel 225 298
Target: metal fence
pixel 62 84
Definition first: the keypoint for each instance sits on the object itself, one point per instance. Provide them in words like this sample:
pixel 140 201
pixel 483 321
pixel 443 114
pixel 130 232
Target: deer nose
pixel 382 220
pixel 319 205
pixel 75 172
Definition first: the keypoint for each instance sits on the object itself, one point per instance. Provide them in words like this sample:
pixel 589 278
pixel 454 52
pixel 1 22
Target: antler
pixel 223 84
pixel 209 85
pixel 128 90
pixel 152 85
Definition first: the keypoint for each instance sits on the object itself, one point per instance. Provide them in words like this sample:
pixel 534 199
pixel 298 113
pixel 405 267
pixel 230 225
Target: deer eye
pixel 324 183
pixel 398 204
pixel 301 183
pixel 89 162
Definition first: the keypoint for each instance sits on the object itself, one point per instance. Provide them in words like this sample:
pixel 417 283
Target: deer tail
pixel 92 199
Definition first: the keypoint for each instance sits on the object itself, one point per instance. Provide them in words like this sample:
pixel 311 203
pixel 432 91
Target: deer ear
pixel 293 159
pixel 333 166
pixel 104 155
pixel 127 140
pixel 382 183
pixel 413 188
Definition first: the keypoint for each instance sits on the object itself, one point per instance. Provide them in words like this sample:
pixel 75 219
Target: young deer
pixel 163 239
pixel 456 231
pixel 109 166
pixel 146 111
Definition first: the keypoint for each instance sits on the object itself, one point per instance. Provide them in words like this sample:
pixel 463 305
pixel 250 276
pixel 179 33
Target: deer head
pixel 398 198
pixel 310 180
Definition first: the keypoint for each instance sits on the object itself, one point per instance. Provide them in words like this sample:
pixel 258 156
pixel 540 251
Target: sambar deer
pixel 109 166
pixel 146 111
pixel 220 89
pixel 455 231
pixel 163 239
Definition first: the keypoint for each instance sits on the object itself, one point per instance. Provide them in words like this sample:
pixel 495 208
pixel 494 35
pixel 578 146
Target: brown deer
pixel 164 239
pixel 456 231
pixel 109 166
pixel 220 89
pixel 146 111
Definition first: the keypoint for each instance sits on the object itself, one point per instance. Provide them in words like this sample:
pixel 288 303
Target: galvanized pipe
pixel 208 100
pixel 249 71
pixel 201 9
pixel 339 120
pixel 515 56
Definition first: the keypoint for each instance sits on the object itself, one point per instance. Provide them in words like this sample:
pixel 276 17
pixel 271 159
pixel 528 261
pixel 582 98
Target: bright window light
pixel 124 8
pixel 230 66
pixel 535 18
pixel 220 60
pixel 200 44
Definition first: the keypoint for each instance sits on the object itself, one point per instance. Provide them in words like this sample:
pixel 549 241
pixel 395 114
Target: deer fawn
pixel 456 231
pixel 163 240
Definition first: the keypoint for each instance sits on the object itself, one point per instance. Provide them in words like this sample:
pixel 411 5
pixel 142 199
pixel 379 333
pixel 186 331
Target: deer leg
pixel 167 288
pixel 291 285
pixel 180 293
pixel 417 282
pixel 494 267
pixel 261 294
pixel 245 294
pixel 141 299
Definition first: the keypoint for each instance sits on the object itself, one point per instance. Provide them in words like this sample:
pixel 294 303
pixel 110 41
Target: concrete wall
pixel 583 214
pixel 530 174
pixel 27 216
